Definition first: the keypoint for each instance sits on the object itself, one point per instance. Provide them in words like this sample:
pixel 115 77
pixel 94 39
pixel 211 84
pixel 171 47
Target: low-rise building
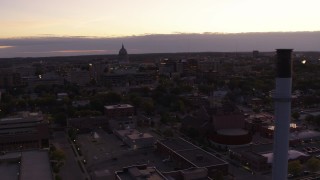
pixel 254 122
pixel 24 131
pixel 188 174
pixel 146 172
pixel 119 110
pixel 26 165
pixel 139 172
pixel 135 139
pixel 186 155
pixel 258 157
pixel 121 123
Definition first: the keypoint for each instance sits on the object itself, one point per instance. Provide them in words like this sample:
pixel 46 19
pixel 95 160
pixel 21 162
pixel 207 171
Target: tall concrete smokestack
pixel 282 100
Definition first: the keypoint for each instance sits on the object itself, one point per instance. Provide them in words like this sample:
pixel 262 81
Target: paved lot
pixel 302 148
pixel 105 147
pixel 71 169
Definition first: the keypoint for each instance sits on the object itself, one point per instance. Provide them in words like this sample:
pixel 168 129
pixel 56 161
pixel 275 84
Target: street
pixel 70 170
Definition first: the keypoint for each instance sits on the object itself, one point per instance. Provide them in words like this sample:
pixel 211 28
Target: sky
pixel 110 19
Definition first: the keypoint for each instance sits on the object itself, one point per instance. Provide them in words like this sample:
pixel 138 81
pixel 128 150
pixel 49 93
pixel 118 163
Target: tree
pixel 57 177
pixel 168 133
pixel 313 164
pixel 317 120
pixel 177 105
pixel 294 167
pixel 192 133
pixel 309 118
pixel 87 113
pixel 38 71
pixel 218 175
pixel 100 100
pixel 42 88
pixel 165 118
pixel 148 106
pixel 205 89
pixel 60 118
pixel 135 100
pixel 72 133
pixel 310 100
pixel 295 115
pixel 58 155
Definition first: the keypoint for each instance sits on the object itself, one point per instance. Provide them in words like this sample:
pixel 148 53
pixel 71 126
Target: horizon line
pixel 148 34
pixel 151 53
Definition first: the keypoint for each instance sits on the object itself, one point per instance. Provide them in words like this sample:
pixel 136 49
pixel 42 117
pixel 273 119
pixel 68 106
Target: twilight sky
pixel 114 19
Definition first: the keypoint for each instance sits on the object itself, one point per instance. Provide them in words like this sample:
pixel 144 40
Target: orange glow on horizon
pixel 5 47
pixel 108 18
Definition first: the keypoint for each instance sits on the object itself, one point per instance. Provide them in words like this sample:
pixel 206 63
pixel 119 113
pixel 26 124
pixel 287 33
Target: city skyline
pixel 56 28
pixel 159 43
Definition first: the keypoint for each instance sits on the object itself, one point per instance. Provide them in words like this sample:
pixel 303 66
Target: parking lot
pixel 103 147
pixel 311 148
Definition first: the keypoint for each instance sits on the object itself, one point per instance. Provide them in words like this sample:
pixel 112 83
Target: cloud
pixel 159 43
pixel 4 47
pixel 68 52
pixel 81 51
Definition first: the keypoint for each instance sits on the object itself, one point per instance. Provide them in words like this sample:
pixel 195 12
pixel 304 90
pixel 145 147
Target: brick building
pixel 119 110
pixel 24 131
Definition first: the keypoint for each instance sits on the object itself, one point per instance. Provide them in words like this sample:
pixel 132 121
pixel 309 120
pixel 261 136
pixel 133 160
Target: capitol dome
pixel 123 57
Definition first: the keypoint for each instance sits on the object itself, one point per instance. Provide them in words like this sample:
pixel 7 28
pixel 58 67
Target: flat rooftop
pixel 87 118
pixel 9 170
pixel 192 153
pixel 200 158
pixel 232 132
pixel 133 134
pixel 178 144
pixel 15 120
pixel 28 165
pixel 134 173
pixel 118 106
pixel 201 173
pixel 257 148
pixel 22 117
pixel 140 136
pixel 292 154
pixel 35 165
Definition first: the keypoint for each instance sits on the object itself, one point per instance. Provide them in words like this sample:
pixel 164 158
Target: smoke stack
pixel 282 100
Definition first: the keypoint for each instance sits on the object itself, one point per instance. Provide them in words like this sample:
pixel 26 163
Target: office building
pixel 24 131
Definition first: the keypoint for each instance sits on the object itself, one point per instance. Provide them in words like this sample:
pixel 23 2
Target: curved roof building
pixel 123 57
